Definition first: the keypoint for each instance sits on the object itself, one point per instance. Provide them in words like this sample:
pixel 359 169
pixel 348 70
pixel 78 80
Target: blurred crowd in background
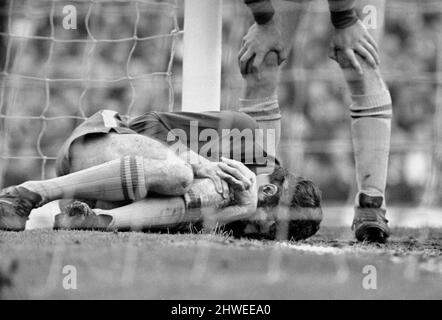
pixel 48 87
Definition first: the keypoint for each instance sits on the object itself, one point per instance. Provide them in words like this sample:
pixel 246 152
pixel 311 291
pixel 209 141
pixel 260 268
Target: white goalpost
pixel 202 55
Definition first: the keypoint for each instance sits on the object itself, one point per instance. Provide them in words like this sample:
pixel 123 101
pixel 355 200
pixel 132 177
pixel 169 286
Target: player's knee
pixel 263 83
pixel 269 68
pixel 181 178
pixel 347 67
pixel 271 59
pixel 185 177
pixel 369 82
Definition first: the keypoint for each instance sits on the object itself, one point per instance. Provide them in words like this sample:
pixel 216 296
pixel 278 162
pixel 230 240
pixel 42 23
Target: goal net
pixel 126 55
pixel 64 60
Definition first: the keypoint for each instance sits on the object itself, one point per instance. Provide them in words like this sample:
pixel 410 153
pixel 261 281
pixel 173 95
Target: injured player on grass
pixel 151 186
pixel 159 190
pixel 247 211
pixel 142 179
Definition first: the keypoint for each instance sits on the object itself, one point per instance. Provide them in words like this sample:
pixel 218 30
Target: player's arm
pixel 241 204
pixel 242 182
pixel 351 36
pixel 262 37
pixel 202 168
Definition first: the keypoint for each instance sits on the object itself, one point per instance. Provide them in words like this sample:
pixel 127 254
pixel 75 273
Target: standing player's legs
pixel 371 117
pixel 371 114
pixel 260 99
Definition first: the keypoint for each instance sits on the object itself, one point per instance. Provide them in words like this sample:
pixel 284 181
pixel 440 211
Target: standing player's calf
pixel 371 114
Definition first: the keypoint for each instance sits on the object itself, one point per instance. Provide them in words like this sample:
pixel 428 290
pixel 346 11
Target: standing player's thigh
pixel 95 149
pixel 290 14
pixel 372 13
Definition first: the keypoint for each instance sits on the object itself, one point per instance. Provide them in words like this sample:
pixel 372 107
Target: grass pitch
pixel 215 266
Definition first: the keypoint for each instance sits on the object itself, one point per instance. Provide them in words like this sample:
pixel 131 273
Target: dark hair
pixel 293 192
pixel 296 193
pixel 305 195
pixel 302 193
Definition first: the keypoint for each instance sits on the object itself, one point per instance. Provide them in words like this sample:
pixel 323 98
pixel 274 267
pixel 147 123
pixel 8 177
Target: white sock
pixel 116 180
pixel 371 129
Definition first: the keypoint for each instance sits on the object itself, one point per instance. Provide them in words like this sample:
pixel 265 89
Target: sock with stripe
pixel 371 129
pixel 116 180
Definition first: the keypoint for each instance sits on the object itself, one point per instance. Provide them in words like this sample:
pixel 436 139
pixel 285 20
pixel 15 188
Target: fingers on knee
pixel 343 61
pixel 271 59
pixel 347 66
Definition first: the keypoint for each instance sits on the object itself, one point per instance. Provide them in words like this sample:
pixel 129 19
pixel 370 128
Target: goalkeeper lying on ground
pixel 149 172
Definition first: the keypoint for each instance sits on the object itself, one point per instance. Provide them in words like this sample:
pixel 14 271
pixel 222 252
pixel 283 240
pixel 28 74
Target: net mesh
pixel 121 57
pixel 126 56
pixel 118 56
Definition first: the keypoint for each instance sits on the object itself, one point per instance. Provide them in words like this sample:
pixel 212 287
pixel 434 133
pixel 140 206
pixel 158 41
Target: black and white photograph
pixel 220 155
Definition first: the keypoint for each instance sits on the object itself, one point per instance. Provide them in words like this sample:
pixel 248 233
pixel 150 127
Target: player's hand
pixel 355 40
pixel 210 170
pixel 260 40
pixel 242 181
